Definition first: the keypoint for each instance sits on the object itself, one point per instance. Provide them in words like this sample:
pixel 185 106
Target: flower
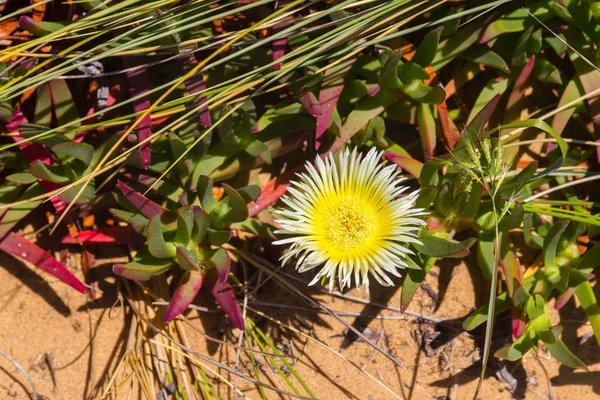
pixel 347 215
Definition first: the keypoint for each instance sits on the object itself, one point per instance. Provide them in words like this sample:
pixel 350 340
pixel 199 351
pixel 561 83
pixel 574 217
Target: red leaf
pixel 310 102
pixel 566 296
pixel 476 125
pixel 138 85
pixel 113 235
pixel 184 295
pixel 23 249
pixel 449 135
pixel 587 74
pixel 373 89
pixel 279 45
pixel 222 262
pixel 33 152
pixel 196 84
pixel 146 180
pixel 328 98
pixel 366 109
pixel 331 89
pixel 38 27
pixel 110 101
pixel 518 322
pixel 427 130
pixel 272 191
pixel 279 51
pixel 517 95
pixel 224 296
pixel 147 207
pixel 408 164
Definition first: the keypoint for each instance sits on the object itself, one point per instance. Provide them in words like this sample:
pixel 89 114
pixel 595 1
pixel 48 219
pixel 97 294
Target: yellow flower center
pixel 349 225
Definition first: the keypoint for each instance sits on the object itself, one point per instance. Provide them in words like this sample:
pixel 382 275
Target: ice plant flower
pixel 350 215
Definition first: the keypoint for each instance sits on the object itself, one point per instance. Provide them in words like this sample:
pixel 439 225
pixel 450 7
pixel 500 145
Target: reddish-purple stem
pixel 139 86
pixel 279 45
pixel 195 84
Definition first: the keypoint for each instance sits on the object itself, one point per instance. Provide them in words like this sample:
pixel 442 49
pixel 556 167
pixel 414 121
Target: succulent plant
pixel 190 238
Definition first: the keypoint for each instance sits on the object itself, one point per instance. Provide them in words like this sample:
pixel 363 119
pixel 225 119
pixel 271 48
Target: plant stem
pixel 492 303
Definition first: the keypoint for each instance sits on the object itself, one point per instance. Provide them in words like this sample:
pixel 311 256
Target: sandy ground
pixel 70 347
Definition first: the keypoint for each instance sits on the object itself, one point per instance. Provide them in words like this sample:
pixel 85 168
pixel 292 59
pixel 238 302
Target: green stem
pixel 491 305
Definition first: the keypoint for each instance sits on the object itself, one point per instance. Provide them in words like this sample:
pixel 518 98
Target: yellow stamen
pixel 349 225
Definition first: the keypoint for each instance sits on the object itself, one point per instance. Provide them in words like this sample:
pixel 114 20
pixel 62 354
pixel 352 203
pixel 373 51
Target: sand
pixel 70 346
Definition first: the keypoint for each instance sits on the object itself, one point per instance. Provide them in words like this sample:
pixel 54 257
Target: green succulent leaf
pixel 207 199
pixel 249 193
pixel 536 308
pixel 512 271
pixel 178 146
pixel 436 246
pixel 455 45
pixel 414 277
pixel 143 268
pixel 239 209
pixel 480 315
pixel 426 196
pixel 185 224
pixel 532 239
pixel 520 296
pixel 589 303
pixel 86 196
pixel 52 173
pixel 219 260
pixel 408 77
pixel 201 224
pixel 486 251
pixel 486 56
pixel 218 237
pixel 512 219
pixel 23 178
pixel 427 49
pixel 427 130
pixel 187 259
pixel 444 201
pixel 551 242
pixel 13 215
pixel 40 28
pixel 518 349
pixel 471 208
pixel 546 71
pixel 80 151
pixel 491 92
pixel 157 245
pixel 137 221
pixel 559 350
pixel 517 20
pixel 590 260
